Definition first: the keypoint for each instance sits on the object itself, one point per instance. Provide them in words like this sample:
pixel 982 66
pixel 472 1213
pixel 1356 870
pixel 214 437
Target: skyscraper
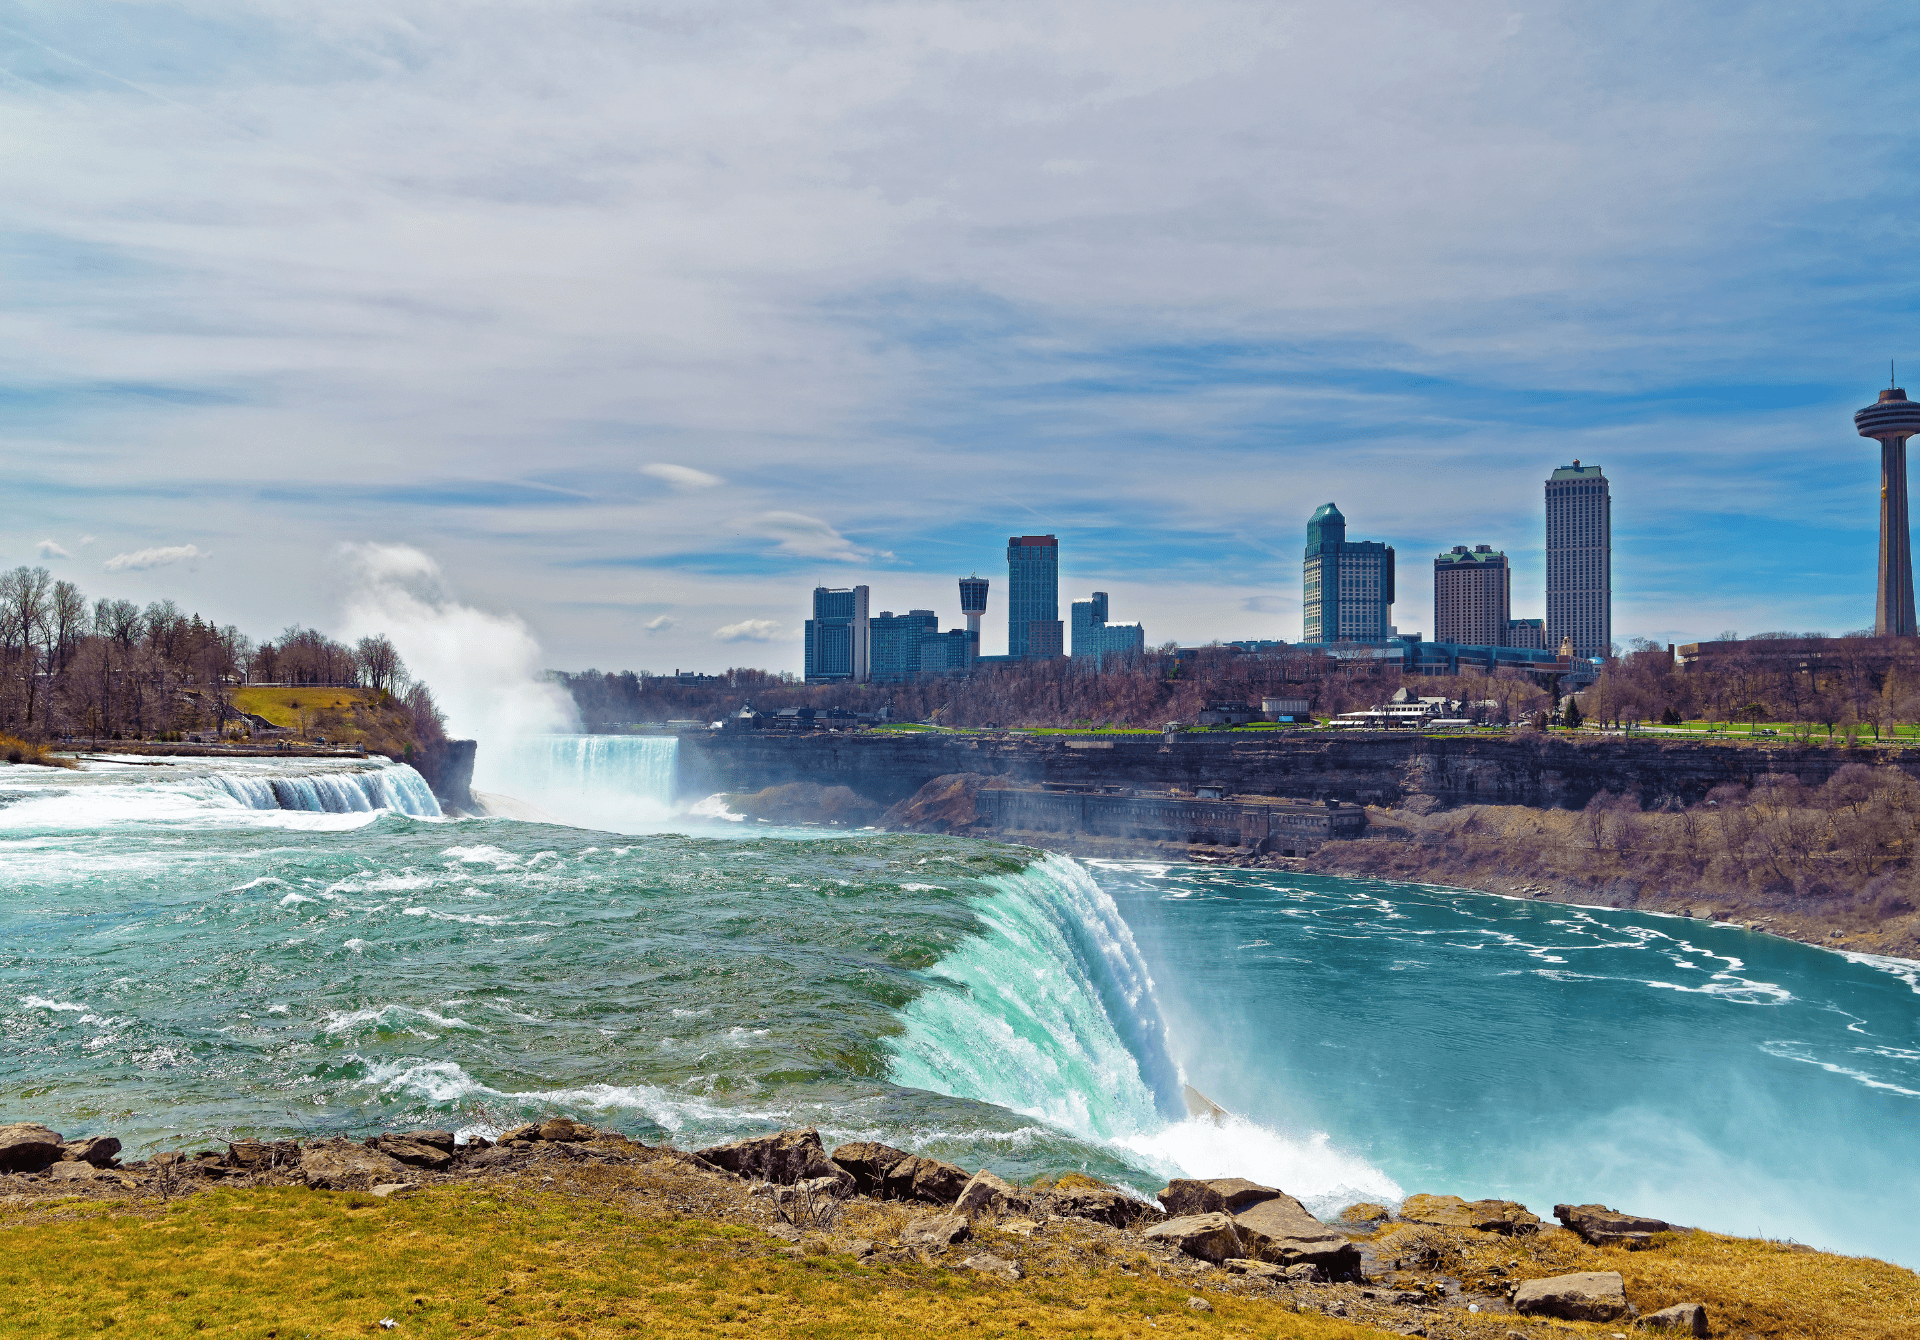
pixel 1033 596
pixel 837 635
pixel 1472 596
pixel 1893 420
pixel 1347 585
pixel 895 643
pixel 1580 560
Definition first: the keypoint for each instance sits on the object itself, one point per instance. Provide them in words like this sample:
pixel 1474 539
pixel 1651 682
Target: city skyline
pixel 272 296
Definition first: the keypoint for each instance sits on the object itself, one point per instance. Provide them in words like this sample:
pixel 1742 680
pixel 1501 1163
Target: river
pixel 295 947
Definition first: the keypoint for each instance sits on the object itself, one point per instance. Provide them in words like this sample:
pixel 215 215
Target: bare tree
pixel 380 664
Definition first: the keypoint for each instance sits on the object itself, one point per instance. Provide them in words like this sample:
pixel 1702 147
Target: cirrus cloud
pixel 684 476
pixel 141 559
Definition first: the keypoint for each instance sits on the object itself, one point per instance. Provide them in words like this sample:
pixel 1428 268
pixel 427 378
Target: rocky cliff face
pixel 448 767
pixel 1399 770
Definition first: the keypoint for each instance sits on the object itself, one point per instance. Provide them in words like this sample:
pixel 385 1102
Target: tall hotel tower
pixel 1892 421
pixel 1033 596
pixel 1580 560
pixel 1346 585
pixel 973 604
pixel 1472 596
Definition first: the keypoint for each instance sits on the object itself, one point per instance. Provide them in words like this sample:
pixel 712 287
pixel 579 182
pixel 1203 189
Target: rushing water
pixel 200 950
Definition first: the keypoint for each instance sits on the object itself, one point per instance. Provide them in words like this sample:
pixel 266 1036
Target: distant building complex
pixel 1094 637
pixel 1347 585
pixel 1580 560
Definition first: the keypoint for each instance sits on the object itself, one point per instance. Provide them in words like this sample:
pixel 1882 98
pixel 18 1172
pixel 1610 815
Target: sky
pixel 638 319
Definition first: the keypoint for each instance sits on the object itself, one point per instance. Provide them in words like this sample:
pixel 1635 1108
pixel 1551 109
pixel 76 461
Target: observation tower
pixel 973 604
pixel 1892 420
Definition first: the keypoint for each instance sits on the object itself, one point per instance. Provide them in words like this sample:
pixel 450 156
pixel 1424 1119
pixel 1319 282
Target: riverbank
pixel 561 1230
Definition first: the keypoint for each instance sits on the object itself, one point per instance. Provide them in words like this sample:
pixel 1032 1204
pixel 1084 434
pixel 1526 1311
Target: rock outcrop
pixel 946 804
pixel 1102 1205
pixel 1274 1226
pixel 1602 1227
pixel 1507 1217
pixel 28 1147
pixel 341 1165
pixel 930 1180
pixel 784 1157
pixel 1590 1295
pixel 987 1191
pixel 939 1230
pixel 1211 1237
pixel 867 1162
pixel 100 1150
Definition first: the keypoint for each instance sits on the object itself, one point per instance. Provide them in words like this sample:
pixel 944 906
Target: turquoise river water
pixel 197 950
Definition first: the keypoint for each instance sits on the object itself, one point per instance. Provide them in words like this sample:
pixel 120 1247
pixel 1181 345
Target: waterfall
pixel 623 783
pixel 397 788
pixel 1050 1012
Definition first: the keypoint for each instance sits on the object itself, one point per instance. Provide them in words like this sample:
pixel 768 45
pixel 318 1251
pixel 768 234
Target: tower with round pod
pixel 1891 421
pixel 973 604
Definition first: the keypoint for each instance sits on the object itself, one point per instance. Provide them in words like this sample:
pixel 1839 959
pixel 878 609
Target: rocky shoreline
pixel 1427 1269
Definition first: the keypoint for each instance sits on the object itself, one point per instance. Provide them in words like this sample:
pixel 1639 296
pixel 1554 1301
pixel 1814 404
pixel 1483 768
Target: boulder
pixel 867 1162
pixel 810 1192
pixel 521 1134
pixel 1104 1205
pixel 340 1165
pixel 1211 1237
pixel 412 1152
pixel 785 1157
pixel 1220 1195
pixel 1688 1317
pixel 988 1263
pixel 1590 1295
pixel 1506 1217
pixel 1199 1305
pixel 1280 1229
pixel 1602 1227
pixel 497 1157
pixel 935 1231
pixel 989 1192
pixel 930 1180
pixel 26 1146
pixel 99 1150
pixel 1366 1212
pixel 561 1130
pixel 395 1190
pixel 1241 1265
pixel 262 1155
pixel 74 1170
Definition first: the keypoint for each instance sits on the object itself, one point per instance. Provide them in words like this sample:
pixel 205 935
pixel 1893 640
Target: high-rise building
pixel 1347 585
pixel 895 642
pixel 1892 421
pixel 1580 560
pixel 837 635
pixel 973 604
pixel 1527 634
pixel 1033 596
pixel 1472 596
pixel 1094 637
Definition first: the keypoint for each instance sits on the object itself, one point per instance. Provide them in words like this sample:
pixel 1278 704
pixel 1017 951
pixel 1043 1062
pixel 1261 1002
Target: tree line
pixel 113 669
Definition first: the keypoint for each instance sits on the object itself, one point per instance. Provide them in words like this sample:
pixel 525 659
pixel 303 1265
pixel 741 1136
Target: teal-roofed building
pixel 1347 585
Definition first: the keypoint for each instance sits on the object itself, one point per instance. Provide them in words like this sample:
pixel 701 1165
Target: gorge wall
pixel 1392 770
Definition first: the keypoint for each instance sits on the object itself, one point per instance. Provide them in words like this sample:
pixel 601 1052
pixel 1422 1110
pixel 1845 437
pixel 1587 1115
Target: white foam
pixel 341 1021
pixel 42 1003
pixel 1310 1168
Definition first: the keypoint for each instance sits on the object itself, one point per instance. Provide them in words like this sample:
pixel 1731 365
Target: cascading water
pixel 398 788
pixel 1051 1012
pixel 621 783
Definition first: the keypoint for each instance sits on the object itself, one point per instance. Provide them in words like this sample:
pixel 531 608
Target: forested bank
pixel 112 670
pixel 1833 864
pixel 1853 686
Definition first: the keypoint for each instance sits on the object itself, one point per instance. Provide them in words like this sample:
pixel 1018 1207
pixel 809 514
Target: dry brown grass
pixel 1749 1286
pixel 16 750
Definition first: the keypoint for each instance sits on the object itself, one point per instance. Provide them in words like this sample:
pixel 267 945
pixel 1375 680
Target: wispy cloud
pixel 684 476
pixel 808 537
pixel 660 624
pixel 50 549
pixel 140 559
pixel 753 630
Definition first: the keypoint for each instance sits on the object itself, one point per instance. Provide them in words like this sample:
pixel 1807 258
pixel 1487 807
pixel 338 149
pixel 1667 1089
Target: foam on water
pixel 617 783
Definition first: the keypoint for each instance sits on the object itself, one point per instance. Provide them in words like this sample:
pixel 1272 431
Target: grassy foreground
pixel 494 1260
